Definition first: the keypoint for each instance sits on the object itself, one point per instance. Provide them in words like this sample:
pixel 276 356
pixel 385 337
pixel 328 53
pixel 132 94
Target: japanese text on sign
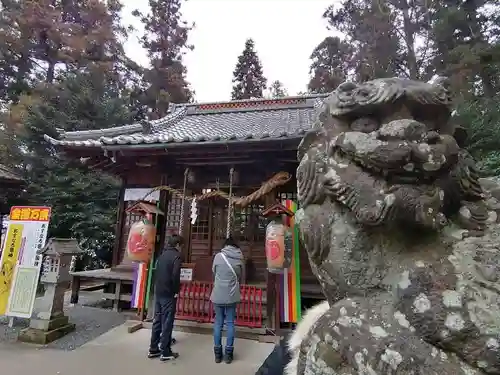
pixel 18 213
pixel 186 274
pixel 14 240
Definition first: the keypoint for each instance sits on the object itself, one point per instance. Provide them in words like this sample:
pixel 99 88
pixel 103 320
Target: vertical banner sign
pixel 26 234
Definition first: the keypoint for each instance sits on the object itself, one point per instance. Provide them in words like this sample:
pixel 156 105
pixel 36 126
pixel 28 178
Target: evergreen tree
pixel 332 60
pixel 83 201
pixel 277 90
pixel 467 46
pixel 481 118
pixel 165 40
pixel 370 33
pixel 62 65
pixel 248 77
pixel 40 38
pixel 385 36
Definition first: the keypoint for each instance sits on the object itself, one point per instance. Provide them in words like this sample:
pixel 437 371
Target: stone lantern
pixel 48 322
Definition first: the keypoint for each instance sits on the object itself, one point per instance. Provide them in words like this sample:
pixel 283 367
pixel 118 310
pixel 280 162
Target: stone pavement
pixel 118 352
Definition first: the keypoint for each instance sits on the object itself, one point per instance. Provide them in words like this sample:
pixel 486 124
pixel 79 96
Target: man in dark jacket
pixel 167 285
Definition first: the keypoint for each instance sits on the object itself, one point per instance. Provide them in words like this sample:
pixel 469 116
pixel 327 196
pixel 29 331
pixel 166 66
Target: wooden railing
pixel 194 304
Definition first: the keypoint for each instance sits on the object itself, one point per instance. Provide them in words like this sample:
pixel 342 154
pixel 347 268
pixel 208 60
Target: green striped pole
pixel 296 250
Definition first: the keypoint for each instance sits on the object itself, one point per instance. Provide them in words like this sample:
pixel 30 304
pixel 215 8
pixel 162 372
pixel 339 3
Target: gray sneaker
pixel 168 357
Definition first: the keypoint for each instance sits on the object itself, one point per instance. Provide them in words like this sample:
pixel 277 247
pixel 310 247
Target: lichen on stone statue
pixel 402 235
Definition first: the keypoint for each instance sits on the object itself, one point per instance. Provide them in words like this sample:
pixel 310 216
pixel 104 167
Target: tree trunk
pixel 50 72
pixel 409 34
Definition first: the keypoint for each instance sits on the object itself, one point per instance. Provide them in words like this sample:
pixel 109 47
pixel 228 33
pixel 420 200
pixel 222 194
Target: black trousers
pixel 163 324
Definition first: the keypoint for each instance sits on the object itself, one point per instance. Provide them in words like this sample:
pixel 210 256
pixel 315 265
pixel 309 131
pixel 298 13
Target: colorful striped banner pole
pixel 290 301
pixel 296 264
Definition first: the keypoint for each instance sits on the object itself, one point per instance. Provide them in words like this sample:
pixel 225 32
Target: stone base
pixel 45 331
pixel 49 325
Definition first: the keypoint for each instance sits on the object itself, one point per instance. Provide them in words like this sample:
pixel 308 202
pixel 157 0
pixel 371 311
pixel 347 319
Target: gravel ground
pixel 90 323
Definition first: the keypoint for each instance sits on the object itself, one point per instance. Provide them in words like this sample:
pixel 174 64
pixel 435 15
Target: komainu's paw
pixel 358 336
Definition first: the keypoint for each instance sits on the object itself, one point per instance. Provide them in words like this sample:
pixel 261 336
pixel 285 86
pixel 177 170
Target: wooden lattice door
pixel 219 226
pixel 247 229
pixel 200 233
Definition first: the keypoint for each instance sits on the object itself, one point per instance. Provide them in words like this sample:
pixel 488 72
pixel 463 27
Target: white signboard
pixel 23 292
pixel 186 274
pixel 26 235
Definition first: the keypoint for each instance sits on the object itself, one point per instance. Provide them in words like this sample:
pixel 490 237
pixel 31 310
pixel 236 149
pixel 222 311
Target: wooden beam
pixel 295 161
pixel 218 157
pixel 216 162
pixel 204 149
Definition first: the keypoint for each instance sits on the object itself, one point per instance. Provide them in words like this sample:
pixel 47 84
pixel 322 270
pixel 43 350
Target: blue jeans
pixel 163 324
pixel 224 314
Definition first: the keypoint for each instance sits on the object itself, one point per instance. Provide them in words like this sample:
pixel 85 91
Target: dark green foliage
pixel 332 60
pixel 248 77
pixel 84 202
pixel 62 65
pixel 277 90
pixel 481 118
pixel 165 40
pixel 467 48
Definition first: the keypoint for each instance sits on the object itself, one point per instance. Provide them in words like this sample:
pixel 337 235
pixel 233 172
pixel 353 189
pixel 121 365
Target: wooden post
pixel 160 228
pixel 210 227
pixel 120 216
pixel 75 290
pixel 272 287
pixel 148 301
pixel 118 292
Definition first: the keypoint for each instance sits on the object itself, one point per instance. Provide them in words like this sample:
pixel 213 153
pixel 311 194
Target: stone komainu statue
pixel 401 236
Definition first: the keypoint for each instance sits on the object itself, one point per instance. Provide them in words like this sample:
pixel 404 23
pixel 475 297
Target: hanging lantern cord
pixel 230 203
pixel 181 222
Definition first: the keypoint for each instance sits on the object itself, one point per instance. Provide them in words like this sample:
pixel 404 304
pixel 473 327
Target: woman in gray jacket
pixel 227 269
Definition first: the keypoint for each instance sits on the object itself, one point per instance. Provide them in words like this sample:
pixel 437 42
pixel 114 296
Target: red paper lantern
pixel 141 241
pixel 278 249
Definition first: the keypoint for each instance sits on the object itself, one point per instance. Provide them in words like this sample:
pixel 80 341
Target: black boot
pixel 218 354
pixel 228 354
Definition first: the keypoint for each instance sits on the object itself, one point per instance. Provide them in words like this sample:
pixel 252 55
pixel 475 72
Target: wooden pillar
pixel 272 287
pixel 161 229
pixel 164 202
pixel 211 227
pixel 120 218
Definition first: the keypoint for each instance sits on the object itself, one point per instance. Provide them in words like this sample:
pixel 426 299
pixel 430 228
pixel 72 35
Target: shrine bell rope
pixel 279 179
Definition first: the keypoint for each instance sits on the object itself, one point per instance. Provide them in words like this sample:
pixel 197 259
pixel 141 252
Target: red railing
pixel 194 304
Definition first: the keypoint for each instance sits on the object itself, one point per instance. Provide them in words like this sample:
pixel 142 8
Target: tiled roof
pixel 6 174
pixel 230 121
